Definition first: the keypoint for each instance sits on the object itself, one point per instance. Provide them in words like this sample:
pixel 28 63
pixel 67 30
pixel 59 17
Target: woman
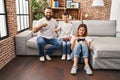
pixel 80 45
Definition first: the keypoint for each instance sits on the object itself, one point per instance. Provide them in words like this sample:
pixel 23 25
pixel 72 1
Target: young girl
pixel 80 45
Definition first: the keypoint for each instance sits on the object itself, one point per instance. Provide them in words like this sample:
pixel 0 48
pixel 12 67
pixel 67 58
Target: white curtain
pixel 115 12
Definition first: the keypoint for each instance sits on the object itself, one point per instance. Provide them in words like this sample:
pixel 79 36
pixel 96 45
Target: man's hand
pixel 44 24
pixel 37 28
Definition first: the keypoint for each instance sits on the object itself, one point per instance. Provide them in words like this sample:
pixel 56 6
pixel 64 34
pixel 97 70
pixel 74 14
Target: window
pixel 22 10
pixel 3 25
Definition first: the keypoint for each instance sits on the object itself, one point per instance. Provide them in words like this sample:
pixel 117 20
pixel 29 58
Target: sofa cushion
pixel 33 43
pixel 20 41
pixel 106 47
pixel 105 28
pixel 75 24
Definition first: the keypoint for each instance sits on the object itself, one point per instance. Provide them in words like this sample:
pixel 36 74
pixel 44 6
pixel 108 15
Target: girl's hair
pixel 85 27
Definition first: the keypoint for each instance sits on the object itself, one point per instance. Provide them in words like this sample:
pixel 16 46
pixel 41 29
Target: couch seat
pixel 32 43
pixel 106 47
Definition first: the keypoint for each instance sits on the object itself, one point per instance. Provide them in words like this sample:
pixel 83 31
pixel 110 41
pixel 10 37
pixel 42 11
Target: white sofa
pixel 105 46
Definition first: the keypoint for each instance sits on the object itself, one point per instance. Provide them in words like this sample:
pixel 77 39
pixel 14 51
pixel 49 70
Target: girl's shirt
pixel 66 30
pixel 88 39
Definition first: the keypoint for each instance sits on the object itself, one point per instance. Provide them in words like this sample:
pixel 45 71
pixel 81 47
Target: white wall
pixel 114 9
pixel 115 12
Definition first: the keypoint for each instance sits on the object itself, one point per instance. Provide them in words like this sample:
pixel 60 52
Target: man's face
pixel 48 14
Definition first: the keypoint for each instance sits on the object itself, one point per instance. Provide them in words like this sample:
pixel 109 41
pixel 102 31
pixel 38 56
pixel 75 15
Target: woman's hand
pixel 73 42
pixel 75 39
pixel 85 42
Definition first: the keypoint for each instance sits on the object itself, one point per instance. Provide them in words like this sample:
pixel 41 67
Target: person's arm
pixel 73 42
pixel 88 41
pixel 57 29
pixel 71 34
pixel 38 27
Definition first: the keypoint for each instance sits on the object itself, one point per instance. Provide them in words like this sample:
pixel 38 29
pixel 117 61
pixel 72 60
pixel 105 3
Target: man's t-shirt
pixel 49 30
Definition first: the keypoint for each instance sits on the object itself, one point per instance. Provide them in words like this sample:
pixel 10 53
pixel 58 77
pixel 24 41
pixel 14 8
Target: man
pixel 46 27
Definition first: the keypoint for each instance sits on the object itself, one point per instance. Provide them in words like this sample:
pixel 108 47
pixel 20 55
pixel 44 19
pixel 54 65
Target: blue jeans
pixel 41 42
pixel 65 46
pixel 80 50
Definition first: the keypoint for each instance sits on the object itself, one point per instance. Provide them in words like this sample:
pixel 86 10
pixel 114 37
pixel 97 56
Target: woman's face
pixel 81 31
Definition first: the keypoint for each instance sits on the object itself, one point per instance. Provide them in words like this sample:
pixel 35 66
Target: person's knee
pixel 83 44
pixel 63 43
pixel 40 41
pixel 68 43
pixel 77 45
pixel 58 44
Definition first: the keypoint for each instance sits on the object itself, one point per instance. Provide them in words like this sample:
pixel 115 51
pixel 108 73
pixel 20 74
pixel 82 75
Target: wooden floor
pixel 30 68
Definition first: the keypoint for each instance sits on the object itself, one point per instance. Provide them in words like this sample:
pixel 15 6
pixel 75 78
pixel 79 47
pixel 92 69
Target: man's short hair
pixel 48 8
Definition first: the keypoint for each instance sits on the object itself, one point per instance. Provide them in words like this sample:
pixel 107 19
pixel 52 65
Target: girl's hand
pixel 85 42
pixel 75 38
pixel 73 42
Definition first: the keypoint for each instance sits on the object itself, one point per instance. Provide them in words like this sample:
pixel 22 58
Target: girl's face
pixel 81 31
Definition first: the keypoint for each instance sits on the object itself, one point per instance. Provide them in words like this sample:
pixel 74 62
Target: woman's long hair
pixel 85 27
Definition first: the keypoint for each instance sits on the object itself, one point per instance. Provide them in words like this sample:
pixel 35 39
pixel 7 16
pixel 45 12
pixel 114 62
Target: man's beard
pixel 48 17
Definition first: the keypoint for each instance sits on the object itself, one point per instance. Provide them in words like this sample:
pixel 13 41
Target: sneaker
pixel 42 58
pixel 48 57
pixel 88 70
pixel 74 70
pixel 68 56
pixel 63 57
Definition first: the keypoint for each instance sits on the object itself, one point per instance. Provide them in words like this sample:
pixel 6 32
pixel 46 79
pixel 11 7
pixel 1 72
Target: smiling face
pixel 81 31
pixel 48 14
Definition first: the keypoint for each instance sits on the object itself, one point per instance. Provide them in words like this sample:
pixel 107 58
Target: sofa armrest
pixel 20 41
pixel 118 34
